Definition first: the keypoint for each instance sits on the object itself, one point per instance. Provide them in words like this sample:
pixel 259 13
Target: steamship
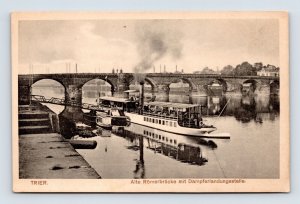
pixel 178 118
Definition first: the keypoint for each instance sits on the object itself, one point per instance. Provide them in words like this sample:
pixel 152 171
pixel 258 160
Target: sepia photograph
pixel 150 101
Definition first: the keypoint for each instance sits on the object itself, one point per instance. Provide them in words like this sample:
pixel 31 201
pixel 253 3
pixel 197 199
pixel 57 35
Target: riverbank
pixel 49 156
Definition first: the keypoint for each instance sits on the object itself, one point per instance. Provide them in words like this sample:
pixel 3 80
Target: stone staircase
pixel 34 122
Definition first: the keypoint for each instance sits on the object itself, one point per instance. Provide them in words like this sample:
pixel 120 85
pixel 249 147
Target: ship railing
pixel 62 101
pixel 39 98
pixel 56 101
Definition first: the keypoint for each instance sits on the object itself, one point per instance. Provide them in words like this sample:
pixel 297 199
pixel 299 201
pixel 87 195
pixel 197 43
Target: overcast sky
pixel 138 45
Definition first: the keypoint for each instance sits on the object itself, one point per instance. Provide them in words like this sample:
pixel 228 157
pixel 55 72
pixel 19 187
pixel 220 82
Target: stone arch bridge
pixel 160 83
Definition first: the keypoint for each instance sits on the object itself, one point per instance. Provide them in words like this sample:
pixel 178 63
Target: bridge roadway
pixel 160 83
pixel 115 75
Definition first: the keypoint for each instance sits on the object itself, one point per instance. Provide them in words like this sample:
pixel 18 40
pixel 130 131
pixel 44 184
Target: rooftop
pixel 115 99
pixel 156 103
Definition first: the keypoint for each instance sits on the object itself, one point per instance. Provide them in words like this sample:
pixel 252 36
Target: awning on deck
pixel 114 99
pixel 172 105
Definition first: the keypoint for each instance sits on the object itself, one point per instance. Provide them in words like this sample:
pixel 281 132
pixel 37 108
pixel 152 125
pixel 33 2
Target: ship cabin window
pixel 171 140
pixel 163 122
pixel 190 116
pixel 152 134
pixel 152 120
pixel 145 132
pixel 144 118
pixel 174 124
pixel 170 123
pixel 163 138
pixel 167 122
pixel 129 106
pixel 156 121
pixel 159 121
pixel 167 139
pixel 175 141
pixel 159 137
pixel 156 136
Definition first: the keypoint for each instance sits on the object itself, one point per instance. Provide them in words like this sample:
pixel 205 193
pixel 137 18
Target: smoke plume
pixel 155 41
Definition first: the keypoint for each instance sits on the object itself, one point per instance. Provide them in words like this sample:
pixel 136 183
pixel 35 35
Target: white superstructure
pixel 178 118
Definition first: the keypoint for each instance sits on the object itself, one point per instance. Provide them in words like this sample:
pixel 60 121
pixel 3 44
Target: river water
pixel 141 152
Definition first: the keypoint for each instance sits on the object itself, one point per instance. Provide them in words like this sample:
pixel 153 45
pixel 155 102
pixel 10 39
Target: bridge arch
pixel 192 85
pixel 35 80
pixel 152 82
pixel 50 89
pixel 96 87
pixel 220 81
pixel 106 79
pixel 57 82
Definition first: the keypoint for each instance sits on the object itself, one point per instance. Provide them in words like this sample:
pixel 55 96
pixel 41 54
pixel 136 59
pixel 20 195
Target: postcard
pixel 179 102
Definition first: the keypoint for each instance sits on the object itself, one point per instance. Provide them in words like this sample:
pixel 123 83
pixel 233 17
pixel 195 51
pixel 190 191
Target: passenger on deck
pixel 200 122
pixel 146 108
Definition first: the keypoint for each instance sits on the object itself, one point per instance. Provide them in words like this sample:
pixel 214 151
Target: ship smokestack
pixel 142 83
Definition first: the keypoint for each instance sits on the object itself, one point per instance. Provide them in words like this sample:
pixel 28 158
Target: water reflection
pixel 181 148
pixel 247 111
pixel 243 107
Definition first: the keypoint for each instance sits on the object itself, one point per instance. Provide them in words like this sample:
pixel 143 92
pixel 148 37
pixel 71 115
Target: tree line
pixel 243 69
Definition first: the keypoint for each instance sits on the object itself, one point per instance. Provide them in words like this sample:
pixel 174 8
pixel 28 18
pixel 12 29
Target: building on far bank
pixel 269 70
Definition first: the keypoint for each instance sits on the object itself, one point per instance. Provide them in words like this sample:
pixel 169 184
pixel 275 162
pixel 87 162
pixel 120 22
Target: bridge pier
pixel 24 92
pixel 164 92
pixel 122 85
pixel 73 96
pixel 72 113
pixel 119 92
pixel 154 91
